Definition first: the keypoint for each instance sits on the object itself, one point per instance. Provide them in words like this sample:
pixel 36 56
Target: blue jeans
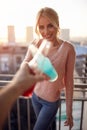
pixel 45 112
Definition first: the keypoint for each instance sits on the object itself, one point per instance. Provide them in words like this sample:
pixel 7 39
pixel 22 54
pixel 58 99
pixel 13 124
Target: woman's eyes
pixel 41 27
pixel 49 26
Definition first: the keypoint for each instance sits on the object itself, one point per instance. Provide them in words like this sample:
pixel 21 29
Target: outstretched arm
pixel 22 81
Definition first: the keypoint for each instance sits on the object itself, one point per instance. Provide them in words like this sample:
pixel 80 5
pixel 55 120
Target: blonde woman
pixel 46 94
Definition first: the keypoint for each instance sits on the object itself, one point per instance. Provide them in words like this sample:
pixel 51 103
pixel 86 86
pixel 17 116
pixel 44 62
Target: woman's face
pixel 46 29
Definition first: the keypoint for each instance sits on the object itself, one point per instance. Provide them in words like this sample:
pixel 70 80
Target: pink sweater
pixel 63 59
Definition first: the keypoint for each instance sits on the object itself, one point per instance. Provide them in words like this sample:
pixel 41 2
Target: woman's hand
pixel 69 122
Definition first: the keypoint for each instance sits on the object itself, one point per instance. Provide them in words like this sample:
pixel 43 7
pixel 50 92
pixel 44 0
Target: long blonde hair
pixel 49 13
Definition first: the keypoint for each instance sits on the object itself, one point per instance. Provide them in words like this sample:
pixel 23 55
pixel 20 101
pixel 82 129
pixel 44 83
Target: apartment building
pixel 10 58
pixel 13 53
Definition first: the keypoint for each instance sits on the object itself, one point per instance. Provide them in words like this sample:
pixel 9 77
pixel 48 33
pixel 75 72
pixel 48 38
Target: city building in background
pixel 11 35
pixel 12 40
pixel 29 34
pixel 10 58
pixel 13 52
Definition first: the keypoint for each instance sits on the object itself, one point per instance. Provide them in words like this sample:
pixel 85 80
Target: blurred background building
pixel 13 51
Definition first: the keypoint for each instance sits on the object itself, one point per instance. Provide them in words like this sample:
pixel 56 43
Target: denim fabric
pixel 45 112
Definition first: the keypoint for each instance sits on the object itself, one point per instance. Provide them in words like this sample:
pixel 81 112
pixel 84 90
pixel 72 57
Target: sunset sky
pixel 22 13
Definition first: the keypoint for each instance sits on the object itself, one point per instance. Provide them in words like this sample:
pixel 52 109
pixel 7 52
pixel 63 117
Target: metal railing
pixel 82 101
pixel 79 87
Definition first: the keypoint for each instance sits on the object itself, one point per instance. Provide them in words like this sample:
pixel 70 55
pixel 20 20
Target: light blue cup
pixel 46 66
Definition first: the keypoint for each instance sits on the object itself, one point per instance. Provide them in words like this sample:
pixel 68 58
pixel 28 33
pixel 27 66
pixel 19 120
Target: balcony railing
pixel 24 115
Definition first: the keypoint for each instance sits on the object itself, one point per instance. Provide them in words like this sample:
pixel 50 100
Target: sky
pixel 22 13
